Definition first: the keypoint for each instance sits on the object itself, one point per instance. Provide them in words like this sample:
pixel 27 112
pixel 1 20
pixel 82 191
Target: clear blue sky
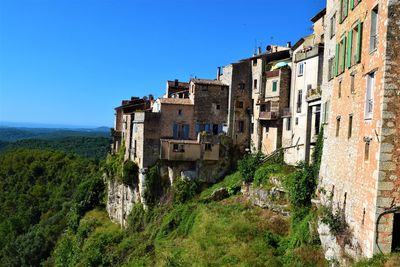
pixel 73 61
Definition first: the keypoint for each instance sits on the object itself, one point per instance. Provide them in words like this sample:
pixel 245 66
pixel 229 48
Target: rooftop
pixel 176 101
pixel 208 82
pixel 177 84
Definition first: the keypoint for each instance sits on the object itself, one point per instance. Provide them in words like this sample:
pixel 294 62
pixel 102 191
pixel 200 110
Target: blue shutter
pixel 219 128
pixel 197 128
pixel 186 131
pixel 175 129
pixel 207 128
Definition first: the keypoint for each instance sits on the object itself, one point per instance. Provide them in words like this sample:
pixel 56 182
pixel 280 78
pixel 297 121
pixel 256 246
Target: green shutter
pixel 351 4
pixel 359 40
pixel 343 54
pixel 341 11
pixel 337 60
pixel 349 48
pixel 274 85
pixel 346 7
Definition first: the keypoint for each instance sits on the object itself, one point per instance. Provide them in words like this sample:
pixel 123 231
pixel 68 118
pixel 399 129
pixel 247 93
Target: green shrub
pixel 248 165
pixel 130 173
pixel 262 174
pixel 184 189
pixel 301 186
pixel 155 186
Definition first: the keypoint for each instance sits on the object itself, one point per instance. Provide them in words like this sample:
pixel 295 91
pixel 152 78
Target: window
pixel 239 104
pixel 240 126
pixel 300 69
pixel 352 81
pixel 180 112
pixel 340 89
pixel 299 100
pixel 317 120
pixel 350 131
pixel 255 62
pixel 340 56
pixel 297 121
pixel 255 83
pixel 373 38
pixel 333 25
pixel 204 88
pixel 369 96
pixel 331 66
pixel 337 125
pixel 344 4
pixel 288 124
pixel 274 86
pixel 326 112
pixel 354 40
pixel 218 106
pixel 180 148
pixel 252 128
pixel 262 108
pixel 241 86
pixel 208 147
pixel 366 148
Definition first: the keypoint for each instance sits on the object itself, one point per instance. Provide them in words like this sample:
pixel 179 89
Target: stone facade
pixel 360 166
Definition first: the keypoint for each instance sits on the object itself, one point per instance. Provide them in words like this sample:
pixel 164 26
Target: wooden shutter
pixel 337 60
pixel 359 40
pixel 186 131
pixel 349 48
pixel 175 131
pixel 346 7
pixel 342 66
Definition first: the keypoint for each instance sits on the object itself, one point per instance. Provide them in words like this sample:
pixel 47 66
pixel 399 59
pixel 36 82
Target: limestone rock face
pixel 120 200
pixel 273 198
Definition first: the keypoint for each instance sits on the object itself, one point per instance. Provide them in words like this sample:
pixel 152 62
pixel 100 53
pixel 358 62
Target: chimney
pixel 289 44
pixel 259 50
pixel 176 82
pixel 218 73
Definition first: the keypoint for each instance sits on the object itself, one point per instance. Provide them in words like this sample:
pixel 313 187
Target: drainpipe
pixel 392 210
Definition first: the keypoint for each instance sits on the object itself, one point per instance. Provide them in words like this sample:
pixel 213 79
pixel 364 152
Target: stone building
pixel 270 95
pixel 360 170
pixel 123 120
pixel 238 78
pixel 302 123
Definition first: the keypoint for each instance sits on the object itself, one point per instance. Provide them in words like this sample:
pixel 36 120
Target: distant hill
pixel 11 134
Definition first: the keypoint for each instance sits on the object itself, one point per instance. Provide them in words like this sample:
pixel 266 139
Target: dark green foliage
pixel 38 191
pixel 301 186
pixel 155 186
pixel 130 174
pixel 11 134
pixel 95 148
pixel 184 190
pixel 248 165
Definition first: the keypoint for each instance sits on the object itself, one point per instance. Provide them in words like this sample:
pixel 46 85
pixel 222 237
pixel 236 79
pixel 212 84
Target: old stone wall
pixel 348 172
pixel 389 171
pixel 211 103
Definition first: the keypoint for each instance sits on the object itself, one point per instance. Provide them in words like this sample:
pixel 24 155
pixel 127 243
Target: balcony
pixel 313 94
pixel 188 150
pixel 269 115
pixel 308 53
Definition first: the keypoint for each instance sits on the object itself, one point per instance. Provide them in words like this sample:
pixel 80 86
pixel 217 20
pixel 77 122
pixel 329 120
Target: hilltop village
pixel 342 78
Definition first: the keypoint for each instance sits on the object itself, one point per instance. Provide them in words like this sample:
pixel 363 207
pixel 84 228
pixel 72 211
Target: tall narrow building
pixel 360 170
